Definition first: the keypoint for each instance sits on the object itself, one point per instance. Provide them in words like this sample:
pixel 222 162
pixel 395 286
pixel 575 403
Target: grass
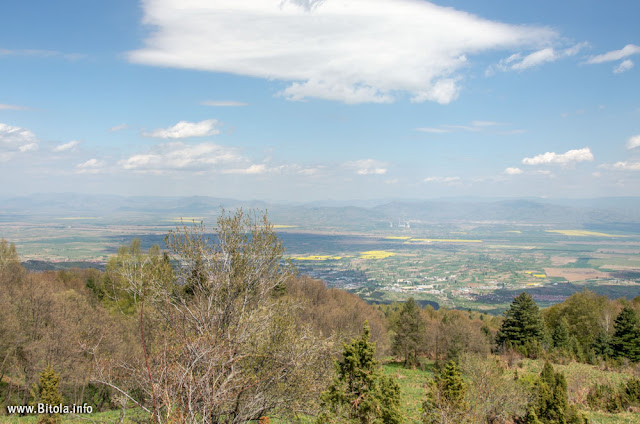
pixel 133 416
pixel 412 388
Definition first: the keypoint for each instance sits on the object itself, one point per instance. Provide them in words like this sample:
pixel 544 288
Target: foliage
pixel 551 404
pixel 493 394
pixel 626 339
pixel 220 340
pixel 47 392
pixel 522 326
pixel 409 328
pixel 446 401
pixel 360 393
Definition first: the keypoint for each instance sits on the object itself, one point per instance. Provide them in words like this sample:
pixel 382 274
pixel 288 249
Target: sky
pixel 301 100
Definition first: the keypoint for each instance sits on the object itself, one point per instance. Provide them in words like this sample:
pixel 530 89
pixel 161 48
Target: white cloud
pixel 474 126
pixel 351 51
pixel 223 103
pixel 66 146
pixel 251 170
pixel 578 155
pixel 633 142
pixel 12 107
pixel 628 50
pixel 91 166
pixel 516 62
pixel 445 180
pixel 119 127
pixel 624 66
pixel 513 171
pixel 15 140
pixel 433 130
pixel 184 129
pixel 175 156
pixel 624 166
pixel 367 167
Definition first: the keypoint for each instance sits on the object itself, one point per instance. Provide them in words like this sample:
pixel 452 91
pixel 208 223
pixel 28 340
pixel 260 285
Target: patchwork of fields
pixel 473 265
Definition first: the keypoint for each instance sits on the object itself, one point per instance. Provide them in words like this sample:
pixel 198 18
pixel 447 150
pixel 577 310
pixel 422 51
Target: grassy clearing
pixel 412 388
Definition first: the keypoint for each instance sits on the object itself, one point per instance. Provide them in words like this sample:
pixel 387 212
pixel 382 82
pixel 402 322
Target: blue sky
pixel 301 100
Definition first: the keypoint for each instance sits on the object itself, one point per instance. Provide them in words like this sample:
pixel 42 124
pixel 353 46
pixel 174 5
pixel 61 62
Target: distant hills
pixel 623 212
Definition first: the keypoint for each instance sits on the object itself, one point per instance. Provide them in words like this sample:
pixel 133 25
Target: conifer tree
pixel 445 401
pixel 560 334
pixel 410 333
pixel 360 393
pixel 47 392
pixel 626 338
pixel 522 325
pixel 551 403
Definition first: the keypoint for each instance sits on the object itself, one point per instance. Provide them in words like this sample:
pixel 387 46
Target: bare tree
pixel 220 338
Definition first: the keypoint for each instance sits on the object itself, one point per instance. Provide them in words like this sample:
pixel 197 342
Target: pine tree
pixel 446 397
pixel 626 338
pixel 551 403
pixel 47 392
pixel 360 393
pixel 410 332
pixel 560 334
pixel 522 325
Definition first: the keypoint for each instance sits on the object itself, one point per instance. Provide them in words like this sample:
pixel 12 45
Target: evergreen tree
pixel 360 393
pixel 551 404
pixel 47 392
pixel 522 326
pixel 445 401
pixel 602 344
pixel 560 334
pixel 626 338
pixel 410 333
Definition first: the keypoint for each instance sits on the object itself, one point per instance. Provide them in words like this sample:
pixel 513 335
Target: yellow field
pixel 284 226
pixel 376 254
pixel 446 240
pixel 514 231
pixel 316 258
pixel 583 233
pixel 539 275
pixel 397 238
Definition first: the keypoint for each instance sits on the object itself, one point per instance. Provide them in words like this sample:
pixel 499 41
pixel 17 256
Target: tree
pixel 492 394
pixel 560 334
pixel 445 401
pixel 522 326
pixel 626 338
pixel 410 333
pixel 220 340
pixel 46 392
pixel 551 404
pixel 360 393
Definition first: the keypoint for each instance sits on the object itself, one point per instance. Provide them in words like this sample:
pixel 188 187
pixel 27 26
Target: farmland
pixel 463 265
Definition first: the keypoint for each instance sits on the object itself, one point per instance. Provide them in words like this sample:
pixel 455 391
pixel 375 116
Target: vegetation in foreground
pixel 224 331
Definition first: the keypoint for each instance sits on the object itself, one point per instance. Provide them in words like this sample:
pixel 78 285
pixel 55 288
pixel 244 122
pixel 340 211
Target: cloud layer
pixel 356 51
pixel 179 156
pixel 15 140
pixel 572 156
pixel 184 129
